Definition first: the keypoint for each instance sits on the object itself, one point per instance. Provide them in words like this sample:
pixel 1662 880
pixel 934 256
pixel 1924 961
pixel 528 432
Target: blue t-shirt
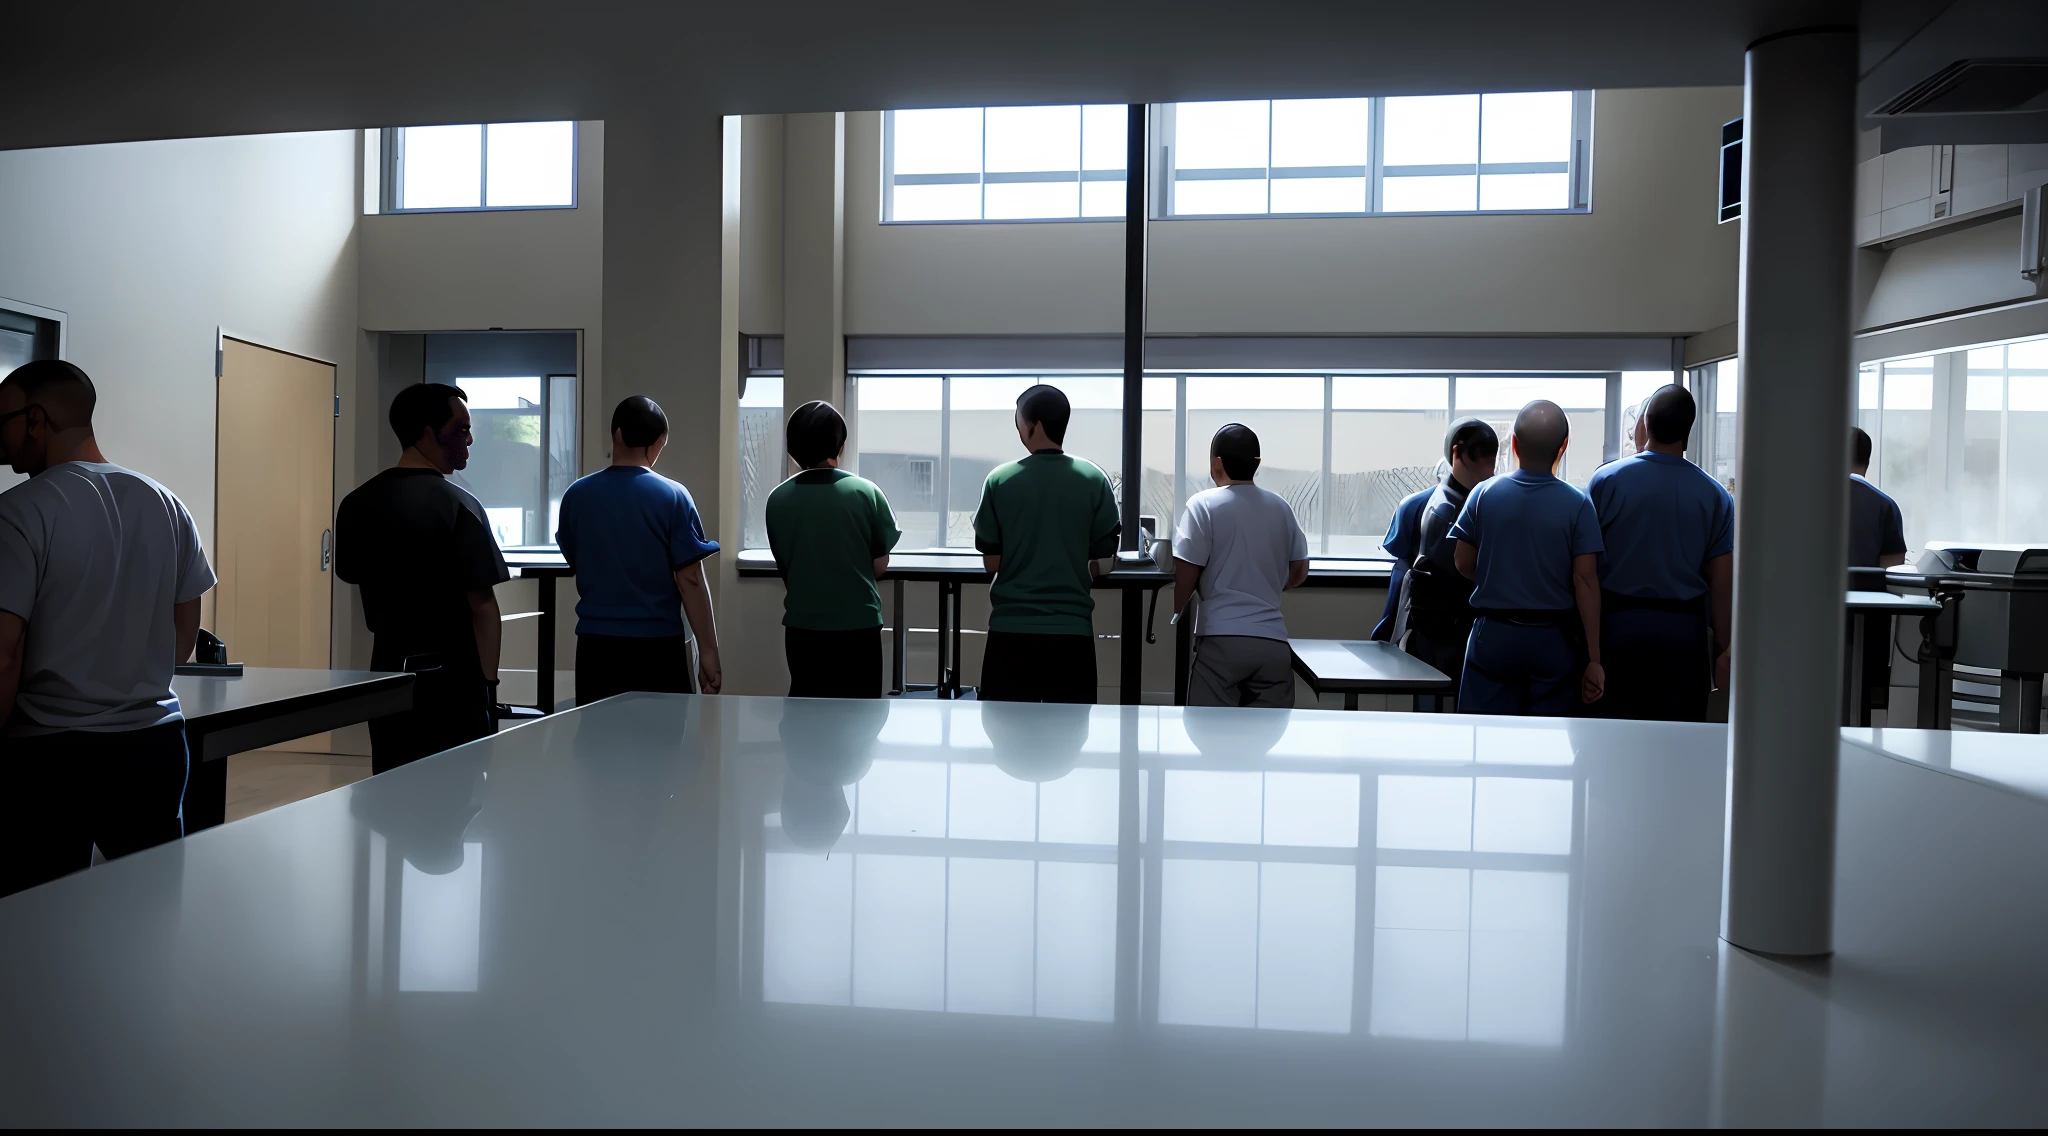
pixel 1662 518
pixel 1527 527
pixel 1876 527
pixel 627 530
pixel 1404 535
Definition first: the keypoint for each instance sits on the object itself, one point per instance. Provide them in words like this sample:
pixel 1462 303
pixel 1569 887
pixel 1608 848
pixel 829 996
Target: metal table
pixel 1352 667
pixel 660 910
pixel 1870 617
pixel 543 566
pixel 951 570
pixel 265 706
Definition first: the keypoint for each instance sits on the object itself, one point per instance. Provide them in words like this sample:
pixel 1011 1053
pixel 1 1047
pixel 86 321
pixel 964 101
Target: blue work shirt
pixel 1876 527
pixel 1527 527
pixel 1662 518
pixel 627 530
pixel 1404 534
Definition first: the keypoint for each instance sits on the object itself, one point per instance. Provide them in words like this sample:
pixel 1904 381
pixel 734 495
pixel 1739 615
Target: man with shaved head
pixel 1667 571
pixel 101 570
pixel 1530 544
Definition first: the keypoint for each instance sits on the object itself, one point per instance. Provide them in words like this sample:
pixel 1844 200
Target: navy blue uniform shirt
pixel 1662 518
pixel 1527 527
pixel 1876 527
pixel 1404 535
pixel 627 531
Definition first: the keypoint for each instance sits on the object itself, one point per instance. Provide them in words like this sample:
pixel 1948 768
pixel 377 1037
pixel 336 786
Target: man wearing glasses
pixel 101 570
pixel 420 548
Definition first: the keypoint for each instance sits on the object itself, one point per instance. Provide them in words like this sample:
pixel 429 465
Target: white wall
pixel 150 248
pixel 1648 259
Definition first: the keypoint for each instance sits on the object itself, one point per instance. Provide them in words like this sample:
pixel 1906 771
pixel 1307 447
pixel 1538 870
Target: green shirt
pixel 1046 516
pixel 827 528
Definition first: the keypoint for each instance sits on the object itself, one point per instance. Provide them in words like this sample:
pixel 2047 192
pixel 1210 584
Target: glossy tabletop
pixel 679 910
pixel 1887 602
pixel 966 567
pixel 208 700
pixel 1363 665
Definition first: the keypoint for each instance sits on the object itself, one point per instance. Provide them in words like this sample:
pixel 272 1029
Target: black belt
pixel 1530 617
pixel 1616 601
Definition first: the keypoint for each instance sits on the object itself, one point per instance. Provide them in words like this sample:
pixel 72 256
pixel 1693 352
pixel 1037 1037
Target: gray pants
pixel 1241 670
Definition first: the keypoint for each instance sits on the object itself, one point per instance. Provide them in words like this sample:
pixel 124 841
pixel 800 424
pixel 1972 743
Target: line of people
pixel 1535 595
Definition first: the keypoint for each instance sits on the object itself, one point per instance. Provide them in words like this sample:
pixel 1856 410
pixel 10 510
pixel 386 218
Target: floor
pixel 264 779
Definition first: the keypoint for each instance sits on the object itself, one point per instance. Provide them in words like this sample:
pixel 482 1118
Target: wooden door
pixel 274 507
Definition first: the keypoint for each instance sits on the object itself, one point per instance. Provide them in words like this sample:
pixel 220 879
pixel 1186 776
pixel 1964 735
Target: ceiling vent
pixel 1977 86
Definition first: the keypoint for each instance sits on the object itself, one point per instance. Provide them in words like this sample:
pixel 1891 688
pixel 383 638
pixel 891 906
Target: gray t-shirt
pixel 93 557
pixel 1243 537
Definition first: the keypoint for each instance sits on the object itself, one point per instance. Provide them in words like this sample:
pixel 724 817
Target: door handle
pixel 326 549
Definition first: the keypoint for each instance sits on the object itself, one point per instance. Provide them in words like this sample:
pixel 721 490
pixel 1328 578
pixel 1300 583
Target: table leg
pixel 1183 653
pixel 1853 695
pixel 1131 650
pixel 1350 700
pixel 2019 703
pixel 206 787
pixel 902 636
pixel 544 665
pixel 959 668
pixel 943 676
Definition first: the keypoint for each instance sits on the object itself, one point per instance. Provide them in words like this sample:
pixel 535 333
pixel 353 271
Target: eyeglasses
pixel 13 414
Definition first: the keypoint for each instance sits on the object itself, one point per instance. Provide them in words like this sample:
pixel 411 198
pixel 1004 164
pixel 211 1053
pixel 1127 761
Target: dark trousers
pixel 1022 667
pixel 450 706
pixel 1519 668
pixel 616 664
pixel 834 664
pixel 121 791
pixel 1658 665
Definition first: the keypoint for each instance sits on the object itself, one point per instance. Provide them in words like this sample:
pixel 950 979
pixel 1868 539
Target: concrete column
pixel 1791 535
pixel 813 259
pixel 671 297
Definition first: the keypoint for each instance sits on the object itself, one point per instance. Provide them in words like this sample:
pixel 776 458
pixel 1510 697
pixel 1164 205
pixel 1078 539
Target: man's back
pixel 627 530
pixel 1243 537
pixel 1434 591
pixel 93 557
pixel 1661 518
pixel 1876 527
pixel 1527 527
pixel 417 544
pixel 827 528
pixel 1047 516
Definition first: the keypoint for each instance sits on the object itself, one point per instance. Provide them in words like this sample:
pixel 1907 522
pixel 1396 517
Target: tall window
pixel 525 453
pixel 762 462
pixel 499 165
pixel 1524 152
pixel 1341 449
pixel 1003 163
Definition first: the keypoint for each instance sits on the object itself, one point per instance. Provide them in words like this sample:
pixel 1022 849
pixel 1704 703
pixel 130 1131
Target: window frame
pixel 984 179
pixel 391 170
pixel 1185 483
pixel 1163 179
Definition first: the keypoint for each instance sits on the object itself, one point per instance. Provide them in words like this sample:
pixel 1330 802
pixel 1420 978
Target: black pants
pixel 121 791
pixel 450 706
pixel 1658 663
pixel 1021 667
pixel 615 664
pixel 834 664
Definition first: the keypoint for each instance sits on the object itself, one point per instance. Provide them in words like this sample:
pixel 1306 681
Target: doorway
pixel 274 506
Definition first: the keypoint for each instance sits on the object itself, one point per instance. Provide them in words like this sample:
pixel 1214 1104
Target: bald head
pixel 61 389
pixel 1540 433
pixel 1669 415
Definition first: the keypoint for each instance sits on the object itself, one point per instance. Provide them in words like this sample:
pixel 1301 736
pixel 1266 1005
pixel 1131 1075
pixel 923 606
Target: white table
pixel 1352 667
pixel 1042 915
pixel 264 706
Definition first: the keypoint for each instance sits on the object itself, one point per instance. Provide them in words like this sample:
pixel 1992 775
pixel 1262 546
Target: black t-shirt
pixel 417 544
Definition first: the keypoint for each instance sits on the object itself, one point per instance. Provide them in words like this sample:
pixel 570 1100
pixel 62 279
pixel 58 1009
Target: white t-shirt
pixel 93 557
pixel 1243 537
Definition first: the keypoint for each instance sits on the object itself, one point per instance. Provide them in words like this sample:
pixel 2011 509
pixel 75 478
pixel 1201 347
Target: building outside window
pixel 475 166
pixel 525 453
pixel 763 465
pixel 1342 449
pixel 1520 152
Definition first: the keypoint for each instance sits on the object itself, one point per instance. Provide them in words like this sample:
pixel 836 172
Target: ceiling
pixel 126 70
